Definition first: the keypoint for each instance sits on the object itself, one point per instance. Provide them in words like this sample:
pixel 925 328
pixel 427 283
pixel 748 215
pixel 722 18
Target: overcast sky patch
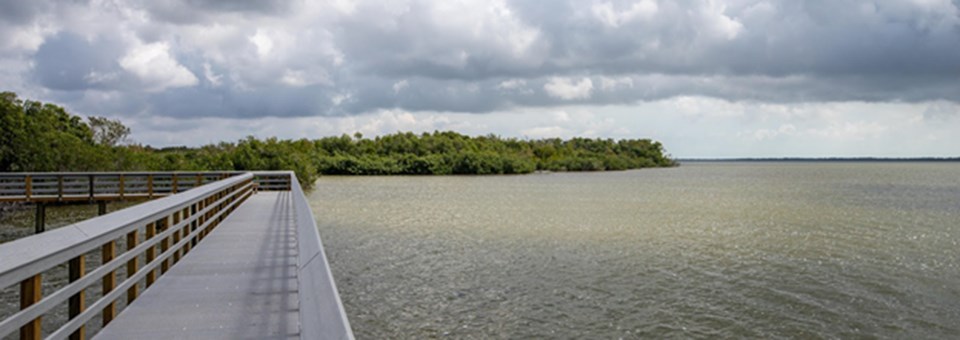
pixel 243 63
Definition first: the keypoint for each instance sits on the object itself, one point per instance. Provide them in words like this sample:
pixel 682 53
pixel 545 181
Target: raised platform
pixel 240 284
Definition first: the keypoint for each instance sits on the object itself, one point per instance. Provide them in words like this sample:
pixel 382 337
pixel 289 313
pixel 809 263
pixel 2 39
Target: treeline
pixel 44 137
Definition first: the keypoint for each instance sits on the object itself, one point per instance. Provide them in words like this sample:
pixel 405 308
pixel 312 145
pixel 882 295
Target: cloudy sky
pixel 709 78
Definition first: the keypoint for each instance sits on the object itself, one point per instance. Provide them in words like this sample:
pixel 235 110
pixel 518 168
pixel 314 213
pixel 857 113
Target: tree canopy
pixel 36 136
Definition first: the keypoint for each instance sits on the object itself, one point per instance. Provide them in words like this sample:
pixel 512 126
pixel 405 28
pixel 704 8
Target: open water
pixel 732 250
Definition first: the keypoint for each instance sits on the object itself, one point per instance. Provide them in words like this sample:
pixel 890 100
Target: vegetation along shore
pixel 37 136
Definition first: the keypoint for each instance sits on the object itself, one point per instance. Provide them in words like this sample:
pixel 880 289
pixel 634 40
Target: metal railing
pixel 321 312
pixel 170 226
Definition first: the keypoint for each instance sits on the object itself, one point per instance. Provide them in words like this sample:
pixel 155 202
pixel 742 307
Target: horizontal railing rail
pixel 91 186
pixel 169 226
pixel 321 312
pixel 107 186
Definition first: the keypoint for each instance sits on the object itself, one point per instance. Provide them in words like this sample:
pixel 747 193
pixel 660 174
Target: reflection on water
pixel 704 250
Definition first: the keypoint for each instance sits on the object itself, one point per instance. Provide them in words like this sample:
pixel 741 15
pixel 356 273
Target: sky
pixel 707 78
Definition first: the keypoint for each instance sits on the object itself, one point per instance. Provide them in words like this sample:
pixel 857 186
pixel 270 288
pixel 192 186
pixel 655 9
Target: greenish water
pixel 758 250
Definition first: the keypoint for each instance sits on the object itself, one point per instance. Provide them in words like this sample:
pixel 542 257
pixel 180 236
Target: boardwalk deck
pixel 241 283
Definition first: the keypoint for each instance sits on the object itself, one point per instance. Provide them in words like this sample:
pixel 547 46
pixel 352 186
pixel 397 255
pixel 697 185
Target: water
pixel 758 250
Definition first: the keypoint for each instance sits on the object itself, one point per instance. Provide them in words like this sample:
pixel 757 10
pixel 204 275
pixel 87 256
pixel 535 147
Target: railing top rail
pixel 115 173
pixel 321 312
pixel 27 256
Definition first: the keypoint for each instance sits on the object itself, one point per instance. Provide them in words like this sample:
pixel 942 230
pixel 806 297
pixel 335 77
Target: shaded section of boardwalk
pixel 239 283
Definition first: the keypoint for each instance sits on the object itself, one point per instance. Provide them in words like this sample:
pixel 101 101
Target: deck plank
pixel 240 282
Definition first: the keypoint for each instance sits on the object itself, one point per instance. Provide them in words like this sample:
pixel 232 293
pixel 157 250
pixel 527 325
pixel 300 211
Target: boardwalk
pixel 241 284
pixel 235 258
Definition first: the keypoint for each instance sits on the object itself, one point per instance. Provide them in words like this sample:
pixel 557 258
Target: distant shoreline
pixel 825 159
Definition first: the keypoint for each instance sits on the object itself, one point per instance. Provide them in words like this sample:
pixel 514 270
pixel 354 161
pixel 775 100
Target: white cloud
pixel 941 110
pixel 702 75
pixel 609 83
pixel 717 23
pixel 339 98
pixel 263 43
pixel 400 85
pixel 850 130
pixel 566 89
pixel 95 77
pixel 544 132
pixel 612 17
pixel 512 84
pixel 785 129
pixel 294 78
pixel 214 79
pixel 155 68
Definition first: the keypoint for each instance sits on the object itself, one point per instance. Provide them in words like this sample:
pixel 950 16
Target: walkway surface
pixel 240 282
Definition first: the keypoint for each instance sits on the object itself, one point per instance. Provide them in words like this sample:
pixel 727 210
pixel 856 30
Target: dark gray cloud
pixel 278 58
pixel 68 62
pixel 199 11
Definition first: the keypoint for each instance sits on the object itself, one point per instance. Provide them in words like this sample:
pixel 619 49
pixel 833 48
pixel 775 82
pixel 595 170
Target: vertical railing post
pixel 193 226
pixel 151 253
pixel 107 253
pixel 176 236
pixel 122 186
pixel 199 179
pixel 28 186
pixel 30 293
pixel 184 214
pixel 150 186
pixel 59 187
pixel 91 187
pixel 163 224
pixel 201 219
pixel 173 179
pixel 40 219
pixel 132 239
pixel 75 306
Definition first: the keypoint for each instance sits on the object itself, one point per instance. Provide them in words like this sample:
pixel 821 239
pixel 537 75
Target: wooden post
pixel 200 220
pixel 151 253
pixel 30 293
pixel 59 187
pixel 75 306
pixel 193 226
pixel 131 266
pixel 150 186
pixel 101 208
pixel 107 253
pixel 122 186
pixel 173 179
pixel 199 180
pixel 164 244
pixel 176 236
pixel 40 219
pixel 91 185
pixel 28 186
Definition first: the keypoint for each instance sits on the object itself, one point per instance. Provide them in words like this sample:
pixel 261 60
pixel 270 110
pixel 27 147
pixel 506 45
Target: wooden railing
pixel 160 232
pixel 98 186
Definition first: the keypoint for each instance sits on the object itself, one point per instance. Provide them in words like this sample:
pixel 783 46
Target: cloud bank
pixel 299 59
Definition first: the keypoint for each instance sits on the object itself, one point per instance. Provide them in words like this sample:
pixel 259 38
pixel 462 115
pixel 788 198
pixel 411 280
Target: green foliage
pixel 108 132
pixel 444 153
pixel 43 137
